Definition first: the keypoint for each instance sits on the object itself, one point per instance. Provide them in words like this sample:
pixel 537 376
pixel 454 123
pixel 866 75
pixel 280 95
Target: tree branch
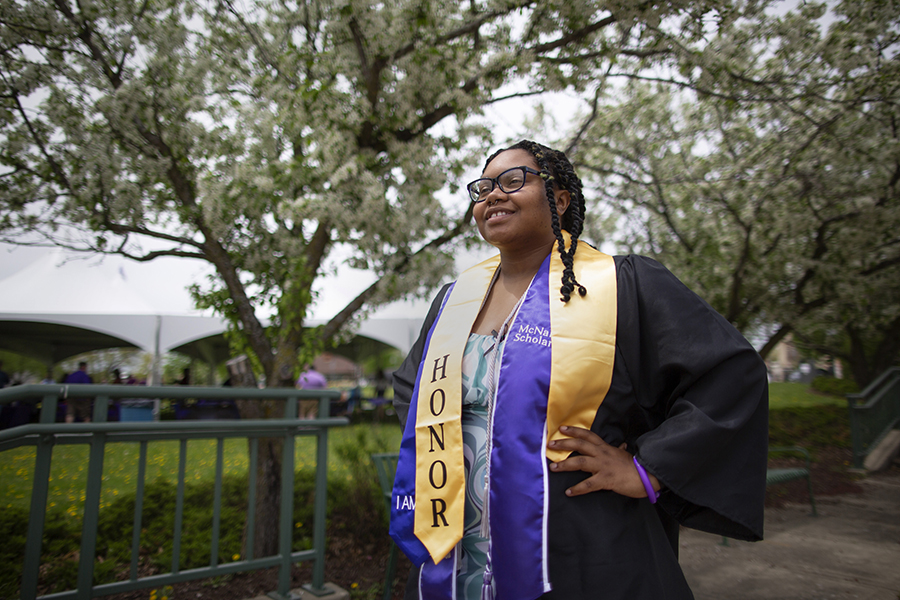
pixel 770 344
pixel 330 329
pixel 86 34
pixel 120 229
pixel 574 36
pixel 572 146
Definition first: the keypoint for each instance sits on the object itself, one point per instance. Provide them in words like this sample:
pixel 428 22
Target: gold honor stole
pixel 583 340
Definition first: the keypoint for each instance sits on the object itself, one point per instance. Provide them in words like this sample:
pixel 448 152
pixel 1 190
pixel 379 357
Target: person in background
pixel 4 378
pixel 380 400
pixel 185 377
pixel 14 413
pixel 78 408
pixel 48 379
pixel 310 379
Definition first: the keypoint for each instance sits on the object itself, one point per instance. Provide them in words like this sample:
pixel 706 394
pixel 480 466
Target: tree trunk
pixel 859 364
pixel 268 464
pixel 268 497
pixel 268 478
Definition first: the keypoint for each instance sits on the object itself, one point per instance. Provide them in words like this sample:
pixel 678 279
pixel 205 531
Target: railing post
pixel 138 511
pixel 91 515
pixel 251 498
pixel 321 498
pixel 179 506
pixel 40 488
pixel 39 491
pixel 217 503
pixel 286 517
pixel 855 436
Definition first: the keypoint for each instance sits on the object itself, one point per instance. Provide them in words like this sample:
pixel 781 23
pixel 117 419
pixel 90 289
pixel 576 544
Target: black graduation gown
pixel 689 396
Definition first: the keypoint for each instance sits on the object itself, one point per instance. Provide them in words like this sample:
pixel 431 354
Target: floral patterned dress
pixel 480 352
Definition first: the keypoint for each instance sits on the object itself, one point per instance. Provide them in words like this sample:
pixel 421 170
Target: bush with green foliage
pixel 356 502
pixel 13 529
pixel 835 387
pixel 813 427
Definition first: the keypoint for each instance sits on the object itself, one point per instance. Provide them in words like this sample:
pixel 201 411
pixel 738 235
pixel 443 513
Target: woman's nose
pixel 495 195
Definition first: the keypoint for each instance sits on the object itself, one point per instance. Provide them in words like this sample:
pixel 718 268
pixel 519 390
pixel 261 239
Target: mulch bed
pixel 361 570
pixel 830 472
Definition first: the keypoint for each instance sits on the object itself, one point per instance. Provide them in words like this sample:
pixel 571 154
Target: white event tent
pixel 54 308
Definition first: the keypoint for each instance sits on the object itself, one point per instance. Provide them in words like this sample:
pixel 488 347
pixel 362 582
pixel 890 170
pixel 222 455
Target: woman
pixel 565 410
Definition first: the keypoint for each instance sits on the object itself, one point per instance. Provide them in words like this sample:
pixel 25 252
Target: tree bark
pixel 859 366
pixel 773 341
pixel 268 465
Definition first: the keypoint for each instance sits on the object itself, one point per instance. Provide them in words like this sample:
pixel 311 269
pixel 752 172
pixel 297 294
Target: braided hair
pixel 558 172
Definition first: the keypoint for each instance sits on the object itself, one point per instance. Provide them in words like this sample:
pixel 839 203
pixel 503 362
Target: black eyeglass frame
pixel 495 182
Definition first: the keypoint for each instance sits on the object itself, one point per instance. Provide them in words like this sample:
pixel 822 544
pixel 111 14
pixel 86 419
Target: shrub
pixel 813 427
pixel 834 387
pixel 356 502
pixel 13 529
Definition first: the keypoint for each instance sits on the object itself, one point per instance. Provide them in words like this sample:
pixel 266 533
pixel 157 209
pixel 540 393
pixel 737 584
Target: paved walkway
pixel 851 550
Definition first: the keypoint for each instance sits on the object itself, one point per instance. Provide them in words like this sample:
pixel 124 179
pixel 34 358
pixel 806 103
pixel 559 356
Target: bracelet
pixel 651 493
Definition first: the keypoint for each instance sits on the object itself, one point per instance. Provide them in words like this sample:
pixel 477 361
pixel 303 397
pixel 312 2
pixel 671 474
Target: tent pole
pixel 155 375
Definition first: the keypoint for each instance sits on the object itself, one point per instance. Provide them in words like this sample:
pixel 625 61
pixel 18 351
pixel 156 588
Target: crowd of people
pixel 75 409
pixel 71 409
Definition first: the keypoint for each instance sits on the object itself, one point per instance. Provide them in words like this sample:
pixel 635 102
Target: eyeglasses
pixel 509 181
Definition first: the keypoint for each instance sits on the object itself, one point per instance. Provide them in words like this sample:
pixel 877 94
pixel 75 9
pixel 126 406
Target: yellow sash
pixel 583 334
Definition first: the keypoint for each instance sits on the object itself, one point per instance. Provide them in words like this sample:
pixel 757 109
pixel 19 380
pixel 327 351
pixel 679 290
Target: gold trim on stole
pixel 583 342
pixel 440 472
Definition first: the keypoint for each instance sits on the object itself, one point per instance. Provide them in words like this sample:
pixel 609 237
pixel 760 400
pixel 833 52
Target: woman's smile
pixel 493 214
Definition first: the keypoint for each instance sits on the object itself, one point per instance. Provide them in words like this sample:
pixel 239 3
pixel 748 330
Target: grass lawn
pixel 799 395
pixel 120 465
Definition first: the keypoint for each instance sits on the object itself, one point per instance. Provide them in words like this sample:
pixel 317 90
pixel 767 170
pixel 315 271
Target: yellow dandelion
pixel 354 585
pixel 235 557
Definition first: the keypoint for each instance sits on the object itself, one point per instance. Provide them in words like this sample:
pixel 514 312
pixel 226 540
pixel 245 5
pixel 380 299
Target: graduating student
pixel 566 410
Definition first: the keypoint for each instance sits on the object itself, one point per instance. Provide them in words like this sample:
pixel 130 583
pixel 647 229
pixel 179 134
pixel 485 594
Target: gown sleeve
pixel 704 393
pixel 404 377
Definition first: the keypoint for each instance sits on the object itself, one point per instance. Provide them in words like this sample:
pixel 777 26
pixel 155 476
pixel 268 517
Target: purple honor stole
pixel 518 487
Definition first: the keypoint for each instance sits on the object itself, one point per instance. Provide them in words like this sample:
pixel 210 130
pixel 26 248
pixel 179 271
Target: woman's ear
pixel 563 198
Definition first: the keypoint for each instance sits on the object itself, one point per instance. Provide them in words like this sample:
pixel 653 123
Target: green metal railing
pixel 873 413
pixel 98 433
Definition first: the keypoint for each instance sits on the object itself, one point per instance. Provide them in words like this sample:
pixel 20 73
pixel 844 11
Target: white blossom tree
pixel 770 183
pixel 260 136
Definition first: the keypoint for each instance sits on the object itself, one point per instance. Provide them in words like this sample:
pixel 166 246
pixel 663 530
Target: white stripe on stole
pixel 455 570
pixel 545 525
pixel 455 552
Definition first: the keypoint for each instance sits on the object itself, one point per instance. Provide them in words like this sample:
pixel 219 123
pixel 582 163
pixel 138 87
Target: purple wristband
pixel 651 493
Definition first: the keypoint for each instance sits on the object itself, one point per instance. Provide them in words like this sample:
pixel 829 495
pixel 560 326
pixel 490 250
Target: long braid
pixel 556 169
